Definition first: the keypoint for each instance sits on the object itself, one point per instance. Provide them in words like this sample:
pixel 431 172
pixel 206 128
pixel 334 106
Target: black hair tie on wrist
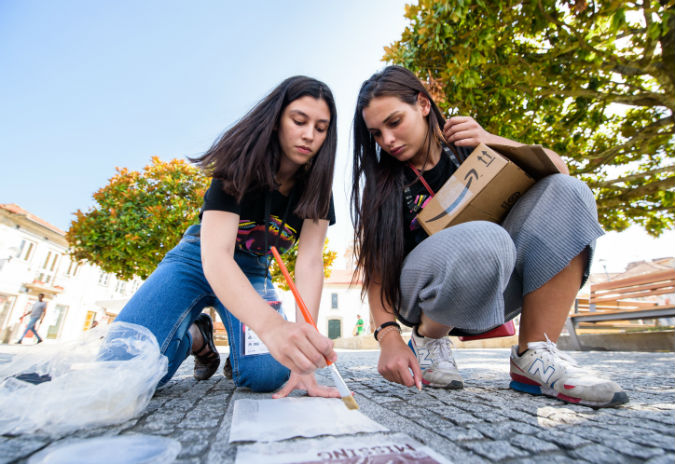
pixel 386 324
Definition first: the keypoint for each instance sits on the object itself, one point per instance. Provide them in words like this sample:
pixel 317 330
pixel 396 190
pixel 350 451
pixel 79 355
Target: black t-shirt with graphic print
pixel 416 196
pixel 251 211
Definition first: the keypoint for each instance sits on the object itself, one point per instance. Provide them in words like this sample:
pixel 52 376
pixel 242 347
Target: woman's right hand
pixel 298 346
pixel 397 360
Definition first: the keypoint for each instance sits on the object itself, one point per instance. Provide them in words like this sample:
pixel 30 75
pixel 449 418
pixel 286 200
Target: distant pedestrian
pixel 359 327
pixel 37 312
pixel 468 278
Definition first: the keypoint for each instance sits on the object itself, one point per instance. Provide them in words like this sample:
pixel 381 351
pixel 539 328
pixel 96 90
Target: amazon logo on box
pixel 484 187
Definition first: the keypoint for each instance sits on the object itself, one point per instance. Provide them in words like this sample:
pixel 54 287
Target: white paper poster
pixel 378 449
pixel 272 420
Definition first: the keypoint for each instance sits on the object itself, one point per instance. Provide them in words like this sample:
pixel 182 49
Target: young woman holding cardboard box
pixel 468 278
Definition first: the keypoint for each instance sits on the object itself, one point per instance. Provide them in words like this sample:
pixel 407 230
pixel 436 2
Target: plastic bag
pixel 99 379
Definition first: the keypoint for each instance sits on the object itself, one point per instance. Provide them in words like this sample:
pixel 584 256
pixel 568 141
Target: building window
pixel 121 287
pixel 104 279
pixel 73 267
pixel 49 265
pixel 334 300
pixel 26 250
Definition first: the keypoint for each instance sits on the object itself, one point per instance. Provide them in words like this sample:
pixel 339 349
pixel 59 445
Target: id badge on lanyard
pixel 251 342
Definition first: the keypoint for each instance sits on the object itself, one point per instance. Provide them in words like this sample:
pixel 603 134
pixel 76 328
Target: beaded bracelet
pixel 386 324
pixel 385 331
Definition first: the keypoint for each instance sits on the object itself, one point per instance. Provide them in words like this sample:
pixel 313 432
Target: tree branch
pixel 636 193
pixel 644 99
pixel 604 157
pixel 638 176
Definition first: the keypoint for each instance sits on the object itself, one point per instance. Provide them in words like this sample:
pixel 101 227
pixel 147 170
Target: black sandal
pixel 207 358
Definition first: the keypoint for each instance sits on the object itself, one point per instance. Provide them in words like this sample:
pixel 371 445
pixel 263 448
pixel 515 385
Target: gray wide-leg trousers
pixel 473 276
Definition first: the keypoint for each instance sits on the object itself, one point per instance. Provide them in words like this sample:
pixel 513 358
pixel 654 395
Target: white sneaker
pixel 545 370
pixel 436 361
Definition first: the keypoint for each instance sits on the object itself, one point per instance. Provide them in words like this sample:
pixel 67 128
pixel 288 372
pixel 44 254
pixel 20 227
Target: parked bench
pixel 611 301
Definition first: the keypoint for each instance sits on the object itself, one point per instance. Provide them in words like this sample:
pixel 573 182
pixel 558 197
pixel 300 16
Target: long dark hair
pixel 247 155
pixel 378 212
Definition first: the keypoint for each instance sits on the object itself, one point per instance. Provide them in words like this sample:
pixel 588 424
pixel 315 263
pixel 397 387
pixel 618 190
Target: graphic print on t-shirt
pixel 418 203
pixel 251 236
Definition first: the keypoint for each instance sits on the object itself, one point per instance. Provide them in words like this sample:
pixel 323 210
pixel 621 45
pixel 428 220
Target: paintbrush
pixel 340 384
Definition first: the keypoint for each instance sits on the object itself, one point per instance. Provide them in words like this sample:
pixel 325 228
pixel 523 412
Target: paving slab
pixel 484 422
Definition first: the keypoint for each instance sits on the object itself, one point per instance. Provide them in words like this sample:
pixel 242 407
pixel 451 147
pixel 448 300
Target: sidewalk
pixel 485 422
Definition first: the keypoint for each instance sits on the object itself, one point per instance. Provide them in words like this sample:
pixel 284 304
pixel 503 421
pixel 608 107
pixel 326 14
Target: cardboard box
pixel 486 185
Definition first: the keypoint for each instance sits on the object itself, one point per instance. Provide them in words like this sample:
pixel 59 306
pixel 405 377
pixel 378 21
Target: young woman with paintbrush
pixel 468 278
pixel 272 176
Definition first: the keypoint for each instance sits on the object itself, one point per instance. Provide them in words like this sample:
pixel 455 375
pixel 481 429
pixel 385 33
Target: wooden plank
pixel 657 312
pixel 633 293
pixel 636 280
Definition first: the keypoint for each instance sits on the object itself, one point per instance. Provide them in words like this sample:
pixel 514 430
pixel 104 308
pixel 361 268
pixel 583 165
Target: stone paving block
pixel 563 438
pixel 493 417
pixel 179 405
pixel 663 459
pixel 521 416
pixel 524 429
pixel 410 412
pixel 599 454
pixel 533 445
pixel 625 446
pixel 462 418
pixel 619 441
pixel 193 460
pixel 549 459
pixel 193 442
pixel 199 422
pixel 501 431
pixel 456 433
pixel 642 436
pixel 494 450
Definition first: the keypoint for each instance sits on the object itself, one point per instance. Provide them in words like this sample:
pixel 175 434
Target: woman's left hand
pixel 306 382
pixel 464 131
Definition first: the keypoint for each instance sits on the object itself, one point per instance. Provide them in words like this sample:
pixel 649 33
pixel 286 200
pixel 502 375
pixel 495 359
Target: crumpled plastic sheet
pixel 105 377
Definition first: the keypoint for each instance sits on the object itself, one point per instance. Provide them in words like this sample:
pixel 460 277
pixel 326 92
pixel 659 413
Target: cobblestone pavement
pixel 484 422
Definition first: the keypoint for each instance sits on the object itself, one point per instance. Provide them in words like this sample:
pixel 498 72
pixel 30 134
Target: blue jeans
pixel 31 326
pixel 175 294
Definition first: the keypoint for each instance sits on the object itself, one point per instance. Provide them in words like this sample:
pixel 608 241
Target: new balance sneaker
pixel 545 370
pixel 436 361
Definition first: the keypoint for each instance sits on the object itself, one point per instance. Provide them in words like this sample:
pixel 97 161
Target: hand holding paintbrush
pixel 346 395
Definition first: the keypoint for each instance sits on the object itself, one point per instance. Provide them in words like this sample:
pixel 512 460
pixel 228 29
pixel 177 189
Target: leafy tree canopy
pixel 593 80
pixel 289 259
pixel 140 216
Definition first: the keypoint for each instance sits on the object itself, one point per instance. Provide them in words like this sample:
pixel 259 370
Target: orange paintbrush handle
pixel 296 294
pixel 291 284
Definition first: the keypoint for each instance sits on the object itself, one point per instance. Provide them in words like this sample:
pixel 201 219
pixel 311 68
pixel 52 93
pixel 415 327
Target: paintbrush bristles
pixel 350 402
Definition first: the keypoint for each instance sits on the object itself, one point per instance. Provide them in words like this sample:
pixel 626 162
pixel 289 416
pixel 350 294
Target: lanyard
pixel 421 178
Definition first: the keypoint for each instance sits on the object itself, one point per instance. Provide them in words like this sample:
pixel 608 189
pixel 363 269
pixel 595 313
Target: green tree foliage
pixel 593 80
pixel 289 259
pixel 140 216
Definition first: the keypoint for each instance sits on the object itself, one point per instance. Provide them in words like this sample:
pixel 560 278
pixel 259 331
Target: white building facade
pixel 34 259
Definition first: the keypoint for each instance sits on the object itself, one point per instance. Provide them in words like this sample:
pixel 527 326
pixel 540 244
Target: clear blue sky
pixel 86 86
